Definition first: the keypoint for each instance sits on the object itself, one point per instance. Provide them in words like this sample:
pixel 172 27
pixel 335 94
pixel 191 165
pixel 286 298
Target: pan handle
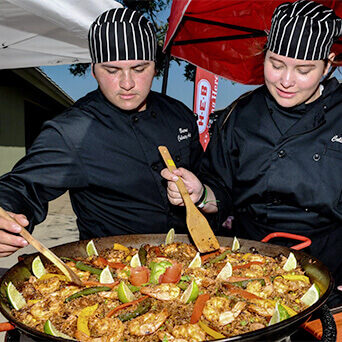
pixel 6 326
pixel 306 243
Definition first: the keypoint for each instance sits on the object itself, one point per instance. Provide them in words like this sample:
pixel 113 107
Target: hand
pixel 192 184
pixel 9 242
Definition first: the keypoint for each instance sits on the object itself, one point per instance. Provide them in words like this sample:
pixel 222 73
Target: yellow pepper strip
pixel 33 301
pixel 120 247
pixel 51 275
pixel 128 259
pixel 290 311
pixel 298 277
pixel 209 331
pixel 83 318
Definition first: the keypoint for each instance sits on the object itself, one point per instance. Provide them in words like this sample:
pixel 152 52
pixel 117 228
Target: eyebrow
pixel 298 66
pixel 109 66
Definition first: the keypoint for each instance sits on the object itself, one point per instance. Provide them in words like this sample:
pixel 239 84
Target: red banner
pixel 206 84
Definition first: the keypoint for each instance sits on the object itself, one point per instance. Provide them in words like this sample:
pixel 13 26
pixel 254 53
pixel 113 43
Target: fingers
pixel 9 241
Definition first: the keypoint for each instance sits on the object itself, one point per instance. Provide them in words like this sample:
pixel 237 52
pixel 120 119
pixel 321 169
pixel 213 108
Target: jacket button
pixel 154 114
pixel 281 154
pixel 154 167
pixel 325 107
pixel 306 209
pixel 135 119
pixel 316 157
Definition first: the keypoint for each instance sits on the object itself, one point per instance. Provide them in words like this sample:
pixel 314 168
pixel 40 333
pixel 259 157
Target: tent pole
pixel 166 71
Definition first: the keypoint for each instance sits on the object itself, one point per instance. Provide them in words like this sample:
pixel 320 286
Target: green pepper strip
pixel 87 291
pixel 244 283
pixel 84 267
pixel 142 255
pixel 220 257
pixel 142 308
pixel 183 285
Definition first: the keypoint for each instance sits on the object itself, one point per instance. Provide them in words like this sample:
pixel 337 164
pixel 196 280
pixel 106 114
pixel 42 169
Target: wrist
pixel 203 199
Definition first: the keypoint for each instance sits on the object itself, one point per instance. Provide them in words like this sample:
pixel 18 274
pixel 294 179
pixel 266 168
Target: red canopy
pixel 226 37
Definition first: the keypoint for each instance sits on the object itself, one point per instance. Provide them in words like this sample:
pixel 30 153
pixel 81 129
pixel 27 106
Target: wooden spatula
pixel 198 225
pixel 45 251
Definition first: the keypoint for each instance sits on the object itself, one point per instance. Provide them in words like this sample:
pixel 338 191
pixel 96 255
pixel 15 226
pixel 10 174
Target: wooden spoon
pixel 71 275
pixel 198 225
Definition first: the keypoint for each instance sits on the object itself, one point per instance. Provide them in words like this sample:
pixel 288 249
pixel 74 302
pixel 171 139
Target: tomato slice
pixel 172 274
pixel 198 307
pixel 139 275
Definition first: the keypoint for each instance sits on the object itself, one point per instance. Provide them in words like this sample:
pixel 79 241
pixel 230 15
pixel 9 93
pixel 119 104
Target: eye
pixel 111 71
pixel 277 66
pixel 139 69
pixel 304 71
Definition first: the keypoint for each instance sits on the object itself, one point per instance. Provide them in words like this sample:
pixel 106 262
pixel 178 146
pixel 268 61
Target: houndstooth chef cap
pixel 122 34
pixel 303 30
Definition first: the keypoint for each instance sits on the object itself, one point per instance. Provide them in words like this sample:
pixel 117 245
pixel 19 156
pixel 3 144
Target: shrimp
pixel 43 310
pixel 259 290
pixel 167 291
pixel 254 271
pixel 217 310
pixel 262 307
pixel 47 286
pixel 280 285
pixel 189 332
pixel 199 275
pixel 148 323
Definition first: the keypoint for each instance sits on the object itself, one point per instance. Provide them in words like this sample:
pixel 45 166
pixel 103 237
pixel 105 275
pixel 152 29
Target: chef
pixel 275 163
pixel 104 149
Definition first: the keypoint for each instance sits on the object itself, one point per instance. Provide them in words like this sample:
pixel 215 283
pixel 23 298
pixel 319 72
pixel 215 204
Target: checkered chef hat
pixel 122 34
pixel 303 30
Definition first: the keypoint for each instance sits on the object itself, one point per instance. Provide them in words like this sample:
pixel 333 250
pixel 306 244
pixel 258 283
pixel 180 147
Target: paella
pixel 166 292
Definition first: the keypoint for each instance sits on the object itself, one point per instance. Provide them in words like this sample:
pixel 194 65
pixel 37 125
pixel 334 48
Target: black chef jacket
pixel 110 163
pixel 273 181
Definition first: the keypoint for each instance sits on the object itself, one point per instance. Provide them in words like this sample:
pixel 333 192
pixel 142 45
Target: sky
pixel 177 86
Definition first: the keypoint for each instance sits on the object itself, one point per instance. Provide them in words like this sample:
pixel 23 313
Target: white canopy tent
pixel 43 32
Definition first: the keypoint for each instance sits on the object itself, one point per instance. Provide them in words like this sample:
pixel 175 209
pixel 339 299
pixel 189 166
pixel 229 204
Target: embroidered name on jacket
pixel 183 134
pixel 336 138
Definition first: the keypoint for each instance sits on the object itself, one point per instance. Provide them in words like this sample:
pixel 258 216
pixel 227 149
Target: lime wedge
pixel 106 276
pixel 190 294
pixel 15 298
pixel 311 296
pixel 135 261
pixel 236 244
pixel 170 237
pixel 51 330
pixel 38 268
pixel 125 294
pixel 91 249
pixel 226 272
pixel 291 263
pixel 196 261
pixel 279 314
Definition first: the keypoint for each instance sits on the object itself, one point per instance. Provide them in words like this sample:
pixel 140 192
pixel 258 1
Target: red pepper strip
pixel 97 283
pixel 236 267
pixel 6 326
pixel 204 258
pixel 157 251
pixel 100 261
pixel 122 306
pixel 243 293
pixel 198 307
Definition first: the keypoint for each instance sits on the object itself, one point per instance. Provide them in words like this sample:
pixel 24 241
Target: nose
pixel 126 81
pixel 287 79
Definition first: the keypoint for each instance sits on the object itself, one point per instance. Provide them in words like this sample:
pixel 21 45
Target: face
pixel 125 84
pixel 293 81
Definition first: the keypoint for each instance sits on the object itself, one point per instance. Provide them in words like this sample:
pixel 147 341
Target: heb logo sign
pixel 203 104
pixel 206 85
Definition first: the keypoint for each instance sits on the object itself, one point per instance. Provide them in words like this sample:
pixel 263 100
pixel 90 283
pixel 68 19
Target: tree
pixel 151 9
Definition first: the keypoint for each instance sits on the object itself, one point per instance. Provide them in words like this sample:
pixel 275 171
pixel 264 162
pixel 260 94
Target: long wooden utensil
pixel 198 226
pixel 45 251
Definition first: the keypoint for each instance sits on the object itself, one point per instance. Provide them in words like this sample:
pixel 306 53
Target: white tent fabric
pixel 44 32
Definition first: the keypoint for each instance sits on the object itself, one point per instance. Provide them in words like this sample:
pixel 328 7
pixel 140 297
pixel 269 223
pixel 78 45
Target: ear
pixel 93 70
pixel 331 57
